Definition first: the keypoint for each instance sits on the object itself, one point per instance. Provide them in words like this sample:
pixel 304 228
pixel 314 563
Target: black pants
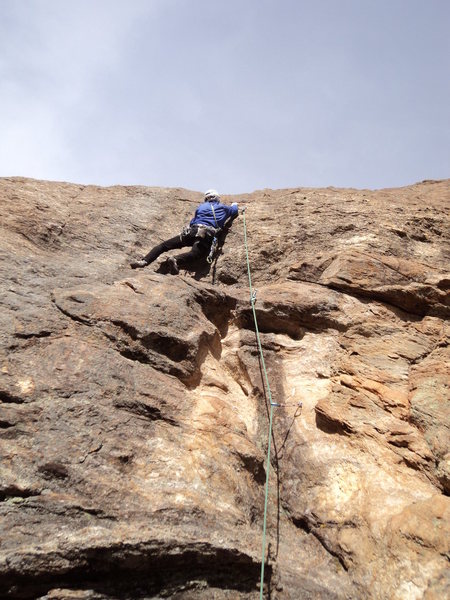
pixel 200 247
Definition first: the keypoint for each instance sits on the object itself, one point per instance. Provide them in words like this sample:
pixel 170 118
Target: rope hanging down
pixel 272 404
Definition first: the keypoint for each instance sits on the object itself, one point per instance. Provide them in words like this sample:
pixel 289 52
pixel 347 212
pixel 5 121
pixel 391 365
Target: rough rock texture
pixel 134 420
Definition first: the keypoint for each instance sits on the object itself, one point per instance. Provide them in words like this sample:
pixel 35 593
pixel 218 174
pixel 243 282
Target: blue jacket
pixel 204 214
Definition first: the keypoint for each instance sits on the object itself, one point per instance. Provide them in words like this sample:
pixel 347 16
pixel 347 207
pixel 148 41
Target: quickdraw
pixel 214 243
pixel 215 240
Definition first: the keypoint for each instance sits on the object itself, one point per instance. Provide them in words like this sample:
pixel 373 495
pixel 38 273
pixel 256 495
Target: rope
pixel 272 404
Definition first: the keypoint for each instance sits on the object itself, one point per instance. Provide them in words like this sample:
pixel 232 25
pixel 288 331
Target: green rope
pixel 252 301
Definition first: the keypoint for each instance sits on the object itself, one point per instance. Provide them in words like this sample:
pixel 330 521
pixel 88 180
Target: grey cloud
pixel 241 95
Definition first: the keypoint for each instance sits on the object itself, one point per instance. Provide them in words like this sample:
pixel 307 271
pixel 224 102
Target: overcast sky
pixel 232 94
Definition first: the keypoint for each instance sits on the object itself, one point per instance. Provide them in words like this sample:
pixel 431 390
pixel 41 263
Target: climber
pixel 209 220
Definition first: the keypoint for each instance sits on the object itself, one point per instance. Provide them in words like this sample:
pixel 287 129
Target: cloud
pixel 242 94
pixel 54 56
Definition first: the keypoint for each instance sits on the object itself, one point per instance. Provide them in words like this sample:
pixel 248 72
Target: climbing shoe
pixel 138 264
pixel 172 266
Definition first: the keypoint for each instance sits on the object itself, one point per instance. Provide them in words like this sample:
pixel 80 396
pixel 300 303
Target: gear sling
pixel 215 240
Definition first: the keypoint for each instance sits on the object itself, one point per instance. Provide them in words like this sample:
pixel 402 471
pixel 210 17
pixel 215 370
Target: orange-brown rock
pixel 134 417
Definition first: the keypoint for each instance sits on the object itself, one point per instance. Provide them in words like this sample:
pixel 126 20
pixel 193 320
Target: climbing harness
pixel 200 231
pixel 272 405
pixel 203 232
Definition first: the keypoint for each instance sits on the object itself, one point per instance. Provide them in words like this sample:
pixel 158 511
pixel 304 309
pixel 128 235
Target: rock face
pixel 134 418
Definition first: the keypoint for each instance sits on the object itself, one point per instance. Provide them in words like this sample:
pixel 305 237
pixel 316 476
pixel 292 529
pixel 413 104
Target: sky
pixel 236 95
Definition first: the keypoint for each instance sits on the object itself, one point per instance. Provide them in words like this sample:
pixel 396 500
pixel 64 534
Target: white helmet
pixel 211 195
